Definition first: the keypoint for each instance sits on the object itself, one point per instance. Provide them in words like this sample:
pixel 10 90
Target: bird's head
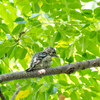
pixel 51 51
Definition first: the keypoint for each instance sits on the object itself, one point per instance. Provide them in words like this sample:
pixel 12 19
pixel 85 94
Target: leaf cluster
pixel 28 26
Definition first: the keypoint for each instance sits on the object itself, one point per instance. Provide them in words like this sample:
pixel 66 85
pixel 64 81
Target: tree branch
pixel 67 68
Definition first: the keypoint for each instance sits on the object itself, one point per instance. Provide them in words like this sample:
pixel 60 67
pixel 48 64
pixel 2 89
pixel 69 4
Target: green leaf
pixel 36 23
pixel 98 3
pixel 58 36
pixel 20 20
pixel 78 58
pixel 96 88
pixel 83 43
pixel 46 7
pixel 52 90
pixel 66 94
pixel 10 53
pixel 86 0
pixel 93 81
pixel 85 26
pixel 93 34
pixel 84 80
pixel 2 52
pixel 69 54
pixel 76 15
pixel 87 13
pixel 20 52
pixel 34 15
pixel 97 12
pixel 36 47
pixel 26 9
pixel 94 73
pixel 85 71
pixel 87 95
pixel 74 79
pixel 64 24
pixel 97 77
pixel 18 29
pixel 63 82
pixel 70 60
pixel 99 36
pixel 93 49
pixel 5 15
pixel 5 28
pixel 48 79
pixel 74 4
pixel 23 63
pixel 73 96
pixel 37 8
pixel 88 56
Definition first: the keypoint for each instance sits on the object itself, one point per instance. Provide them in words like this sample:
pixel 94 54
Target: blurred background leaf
pixel 71 26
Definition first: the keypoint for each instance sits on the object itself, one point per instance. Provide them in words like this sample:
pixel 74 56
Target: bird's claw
pixel 42 71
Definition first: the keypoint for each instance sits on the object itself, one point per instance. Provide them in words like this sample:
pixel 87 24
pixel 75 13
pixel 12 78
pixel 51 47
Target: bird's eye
pixel 53 52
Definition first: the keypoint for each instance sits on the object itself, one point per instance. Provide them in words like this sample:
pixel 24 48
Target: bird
pixel 42 59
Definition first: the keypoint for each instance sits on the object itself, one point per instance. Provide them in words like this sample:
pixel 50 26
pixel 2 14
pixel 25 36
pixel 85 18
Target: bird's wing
pixel 36 59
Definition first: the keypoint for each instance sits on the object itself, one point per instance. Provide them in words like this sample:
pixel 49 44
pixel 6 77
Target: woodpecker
pixel 42 59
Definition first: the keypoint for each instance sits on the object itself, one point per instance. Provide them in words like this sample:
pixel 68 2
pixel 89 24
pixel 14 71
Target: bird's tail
pixel 29 69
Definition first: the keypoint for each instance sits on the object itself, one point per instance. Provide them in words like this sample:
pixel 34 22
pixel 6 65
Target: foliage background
pixel 72 26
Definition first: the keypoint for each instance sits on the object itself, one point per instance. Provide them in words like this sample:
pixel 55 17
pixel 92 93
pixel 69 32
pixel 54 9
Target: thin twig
pixel 19 37
pixel 16 92
pixel 1 95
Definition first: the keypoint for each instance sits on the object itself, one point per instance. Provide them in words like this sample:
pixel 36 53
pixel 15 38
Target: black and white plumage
pixel 42 59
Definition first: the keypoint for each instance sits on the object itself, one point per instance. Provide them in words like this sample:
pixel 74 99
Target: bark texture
pixel 67 68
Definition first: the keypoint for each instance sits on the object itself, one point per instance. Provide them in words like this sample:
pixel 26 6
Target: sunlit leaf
pixel 34 15
pixel 86 0
pixel 98 3
pixel 98 37
pixel 74 4
pixel 73 95
pixel 52 90
pixel 97 12
pixel 76 15
pixel 20 52
pixel 87 13
pixel 19 28
pixel 84 80
pixel 71 26
pixel 62 82
pixel 22 94
pixel 93 34
pixel 20 20
pixel 37 8
pixel 5 28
